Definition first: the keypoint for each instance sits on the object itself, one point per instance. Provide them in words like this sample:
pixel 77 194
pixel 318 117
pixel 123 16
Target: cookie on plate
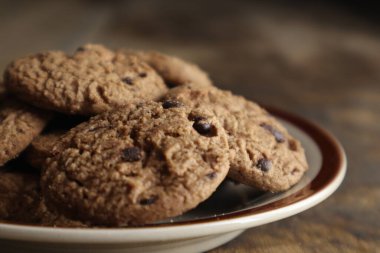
pixel 136 165
pixel 92 80
pixel 263 153
pixel 19 124
pixel 173 70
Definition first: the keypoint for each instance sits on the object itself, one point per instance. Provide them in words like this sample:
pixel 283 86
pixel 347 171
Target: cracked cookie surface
pixel 136 165
pixel 92 80
pixel 263 153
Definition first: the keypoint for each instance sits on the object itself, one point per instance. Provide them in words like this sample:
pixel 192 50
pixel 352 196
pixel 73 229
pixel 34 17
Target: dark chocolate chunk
pixel 142 75
pixel 148 201
pixel 277 134
pixel 205 128
pixel 264 164
pixel 211 175
pixel 132 154
pixel 127 80
pixel 171 103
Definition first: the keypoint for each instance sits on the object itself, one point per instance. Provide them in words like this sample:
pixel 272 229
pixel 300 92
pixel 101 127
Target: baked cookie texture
pixel 21 202
pixel 136 161
pixel 41 148
pixel 137 164
pixel 263 153
pixel 18 195
pixel 92 80
pixel 19 124
pixel 173 70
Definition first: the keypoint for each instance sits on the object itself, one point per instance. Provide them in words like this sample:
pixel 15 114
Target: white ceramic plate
pixel 231 210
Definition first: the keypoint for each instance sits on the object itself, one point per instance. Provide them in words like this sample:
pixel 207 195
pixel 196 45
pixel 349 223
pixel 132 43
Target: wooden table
pixel 321 62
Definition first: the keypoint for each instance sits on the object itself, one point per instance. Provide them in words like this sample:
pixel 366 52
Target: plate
pixel 232 209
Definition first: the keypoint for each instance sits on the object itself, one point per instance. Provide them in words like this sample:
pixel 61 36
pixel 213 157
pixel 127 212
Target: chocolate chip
pixel 127 80
pixel 205 128
pixel 142 75
pixel 264 164
pixel 211 175
pixel 148 201
pixel 132 154
pixel 171 103
pixel 277 134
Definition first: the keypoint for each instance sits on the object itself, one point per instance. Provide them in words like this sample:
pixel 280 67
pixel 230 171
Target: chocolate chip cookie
pixel 174 70
pixel 19 124
pixel 137 164
pixel 92 80
pixel 263 153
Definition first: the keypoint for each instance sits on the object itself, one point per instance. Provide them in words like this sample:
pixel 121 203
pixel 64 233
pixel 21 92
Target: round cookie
pixel 41 147
pixel 137 165
pixel 263 153
pixel 173 70
pixel 92 80
pixel 19 124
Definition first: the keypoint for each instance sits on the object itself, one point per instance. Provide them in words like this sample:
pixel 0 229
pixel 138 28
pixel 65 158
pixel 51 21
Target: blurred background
pixel 319 59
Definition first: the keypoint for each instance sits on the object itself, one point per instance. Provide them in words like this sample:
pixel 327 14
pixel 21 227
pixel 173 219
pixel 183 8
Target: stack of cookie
pixel 126 138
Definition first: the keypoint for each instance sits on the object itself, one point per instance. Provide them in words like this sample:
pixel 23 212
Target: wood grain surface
pixel 319 60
